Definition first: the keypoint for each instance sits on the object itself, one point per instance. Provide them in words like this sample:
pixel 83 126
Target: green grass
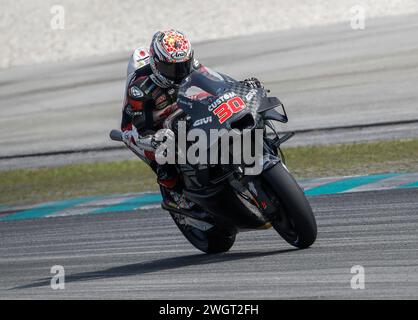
pixel 45 184
pixel 39 185
pixel 353 159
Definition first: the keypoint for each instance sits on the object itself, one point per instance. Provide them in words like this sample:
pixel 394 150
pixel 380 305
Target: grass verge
pixel 26 186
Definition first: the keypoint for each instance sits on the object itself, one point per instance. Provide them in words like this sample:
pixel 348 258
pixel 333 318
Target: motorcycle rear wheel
pixel 214 240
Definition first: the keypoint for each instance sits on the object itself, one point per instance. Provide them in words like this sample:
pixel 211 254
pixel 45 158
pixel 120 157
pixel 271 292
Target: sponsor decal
pixel 220 100
pixel 156 93
pixel 161 99
pixel 199 96
pixel 227 109
pixel 167 111
pixel 203 121
pixel 151 86
pixel 141 63
pixel 185 102
pixel 162 105
pixel 196 63
pixel 141 57
pixel 178 55
pixel 142 54
pixel 251 94
pixel 136 93
pixel 130 110
pixel 171 92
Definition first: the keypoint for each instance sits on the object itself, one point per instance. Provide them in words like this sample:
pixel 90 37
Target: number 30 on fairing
pixel 227 109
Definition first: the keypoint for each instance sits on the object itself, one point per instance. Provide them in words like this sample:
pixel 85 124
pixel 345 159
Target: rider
pixel 153 79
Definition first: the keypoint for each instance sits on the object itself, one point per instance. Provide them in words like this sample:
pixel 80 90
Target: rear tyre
pixel 294 220
pixel 214 240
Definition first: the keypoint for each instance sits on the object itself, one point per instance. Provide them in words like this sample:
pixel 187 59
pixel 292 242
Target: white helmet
pixel 171 58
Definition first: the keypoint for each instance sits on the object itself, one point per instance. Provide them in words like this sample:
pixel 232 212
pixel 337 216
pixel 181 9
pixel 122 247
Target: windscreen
pixel 203 84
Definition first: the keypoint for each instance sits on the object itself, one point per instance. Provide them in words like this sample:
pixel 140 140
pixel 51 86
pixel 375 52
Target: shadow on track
pixel 156 266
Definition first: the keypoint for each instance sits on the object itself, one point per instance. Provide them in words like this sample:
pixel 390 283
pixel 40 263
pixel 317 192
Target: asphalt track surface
pixel 328 76
pixel 142 255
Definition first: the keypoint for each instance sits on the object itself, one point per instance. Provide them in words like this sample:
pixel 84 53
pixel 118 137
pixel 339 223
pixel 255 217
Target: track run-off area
pixel 140 201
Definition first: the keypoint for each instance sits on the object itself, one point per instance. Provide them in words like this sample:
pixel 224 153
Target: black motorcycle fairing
pixel 269 112
pixel 202 91
pixel 223 204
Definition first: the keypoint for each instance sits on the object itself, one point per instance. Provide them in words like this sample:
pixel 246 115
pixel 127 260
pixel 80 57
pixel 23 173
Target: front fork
pixel 263 201
pixel 266 203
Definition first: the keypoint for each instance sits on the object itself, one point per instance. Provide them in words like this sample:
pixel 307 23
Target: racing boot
pixel 173 196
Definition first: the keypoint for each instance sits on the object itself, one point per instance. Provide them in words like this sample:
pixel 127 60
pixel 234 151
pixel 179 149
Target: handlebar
pixel 116 135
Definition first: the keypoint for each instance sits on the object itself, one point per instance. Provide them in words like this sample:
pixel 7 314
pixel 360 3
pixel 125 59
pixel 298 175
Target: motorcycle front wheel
pixel 294 219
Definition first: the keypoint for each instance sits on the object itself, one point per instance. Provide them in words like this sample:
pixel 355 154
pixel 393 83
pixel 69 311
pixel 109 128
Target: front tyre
pixel 294 219
pixel 213 240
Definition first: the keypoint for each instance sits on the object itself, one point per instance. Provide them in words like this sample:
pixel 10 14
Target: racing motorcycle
pixel 226 199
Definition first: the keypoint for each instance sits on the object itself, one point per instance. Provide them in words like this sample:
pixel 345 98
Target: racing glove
pixel 147 145
pixel 252 83
pixel 141 146
pixel 129 137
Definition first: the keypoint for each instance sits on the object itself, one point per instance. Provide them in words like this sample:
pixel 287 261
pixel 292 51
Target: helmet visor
pixel 175 71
